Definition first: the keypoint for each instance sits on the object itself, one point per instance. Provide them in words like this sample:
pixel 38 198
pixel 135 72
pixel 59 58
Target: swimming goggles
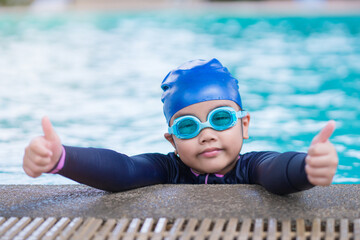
pixel 222 118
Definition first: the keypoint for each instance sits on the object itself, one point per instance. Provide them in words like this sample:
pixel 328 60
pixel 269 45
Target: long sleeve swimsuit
pixel 279 173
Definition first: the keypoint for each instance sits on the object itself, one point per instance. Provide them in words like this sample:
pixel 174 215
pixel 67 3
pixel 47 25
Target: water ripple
pixel 97 77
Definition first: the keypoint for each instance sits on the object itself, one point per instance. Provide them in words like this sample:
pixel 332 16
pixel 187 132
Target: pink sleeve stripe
pixel 194 172
pixel 61 162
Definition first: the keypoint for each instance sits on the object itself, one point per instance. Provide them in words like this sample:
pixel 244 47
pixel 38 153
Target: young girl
pixel 207 126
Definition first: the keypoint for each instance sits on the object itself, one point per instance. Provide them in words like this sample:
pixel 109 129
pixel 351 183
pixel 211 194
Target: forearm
pixel 109 170
pixel 283 173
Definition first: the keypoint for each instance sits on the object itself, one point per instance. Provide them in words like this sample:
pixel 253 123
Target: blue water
pixel 97 76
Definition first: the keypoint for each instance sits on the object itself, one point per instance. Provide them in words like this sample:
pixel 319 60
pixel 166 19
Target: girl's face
pixel 211 151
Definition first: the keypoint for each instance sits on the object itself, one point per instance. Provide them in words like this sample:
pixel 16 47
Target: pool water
pixel 97 76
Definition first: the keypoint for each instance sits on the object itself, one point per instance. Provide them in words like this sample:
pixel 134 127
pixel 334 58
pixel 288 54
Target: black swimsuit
pixel 279 173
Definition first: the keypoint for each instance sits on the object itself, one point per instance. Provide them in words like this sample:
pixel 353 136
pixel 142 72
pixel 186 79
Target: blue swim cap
pixel 198 81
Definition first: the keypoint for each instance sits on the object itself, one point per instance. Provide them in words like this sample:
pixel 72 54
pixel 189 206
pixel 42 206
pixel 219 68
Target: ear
pixel 246 123
pixel 170 139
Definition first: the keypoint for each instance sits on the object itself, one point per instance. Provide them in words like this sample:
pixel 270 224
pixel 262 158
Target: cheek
pixel 185 147
pixel 233 137
pixel 235 132
pixel 187 152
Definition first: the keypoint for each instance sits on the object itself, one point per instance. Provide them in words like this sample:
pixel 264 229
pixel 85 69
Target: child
pixel 207 126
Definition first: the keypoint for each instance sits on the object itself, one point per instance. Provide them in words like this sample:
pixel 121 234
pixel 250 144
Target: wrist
pixel 60 164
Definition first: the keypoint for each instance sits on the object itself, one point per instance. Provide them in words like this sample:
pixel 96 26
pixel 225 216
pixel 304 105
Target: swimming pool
pixel 97 76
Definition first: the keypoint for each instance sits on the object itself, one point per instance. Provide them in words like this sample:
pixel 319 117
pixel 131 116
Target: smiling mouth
pixel 210 152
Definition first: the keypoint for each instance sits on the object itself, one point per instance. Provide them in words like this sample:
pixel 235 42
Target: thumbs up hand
pixel 322 159
pixel 43 152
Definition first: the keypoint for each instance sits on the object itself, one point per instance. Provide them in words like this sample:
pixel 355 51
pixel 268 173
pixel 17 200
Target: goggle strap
pixel 241 114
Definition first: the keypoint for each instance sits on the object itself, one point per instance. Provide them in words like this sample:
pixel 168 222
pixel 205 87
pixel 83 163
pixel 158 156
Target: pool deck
pixel 274 7
pixel 238 8
pixel 179 201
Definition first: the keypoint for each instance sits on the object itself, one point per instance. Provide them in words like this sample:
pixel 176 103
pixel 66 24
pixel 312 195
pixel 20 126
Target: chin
pixel 213 169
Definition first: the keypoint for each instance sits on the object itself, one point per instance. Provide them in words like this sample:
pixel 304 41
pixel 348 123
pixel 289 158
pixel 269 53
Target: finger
pixel 28 169
pixel 319 181
pixel 39 168
pixel 327 172
pixel 325 133
pixel 39 146
pixel 29 155
pixel 30 173
pixel 39 160
pixel 322 161
pixel 49 132
pixel 321 149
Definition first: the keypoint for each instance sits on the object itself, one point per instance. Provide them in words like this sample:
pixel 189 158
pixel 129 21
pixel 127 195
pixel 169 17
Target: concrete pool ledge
pixel 179 201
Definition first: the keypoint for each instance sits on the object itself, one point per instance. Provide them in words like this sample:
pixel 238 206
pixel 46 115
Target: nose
pixel 207 135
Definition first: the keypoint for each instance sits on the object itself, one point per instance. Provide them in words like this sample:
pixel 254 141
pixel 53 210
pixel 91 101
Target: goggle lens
pixel 221 119
pixel 187 127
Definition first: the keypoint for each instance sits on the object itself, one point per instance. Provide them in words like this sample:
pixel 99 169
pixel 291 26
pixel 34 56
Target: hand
pixel 43 152
pixel 322 159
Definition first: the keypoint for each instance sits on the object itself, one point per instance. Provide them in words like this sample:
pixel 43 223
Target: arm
pixel 100 168
pixel 291 172
pixel 112 171
pixel 279 173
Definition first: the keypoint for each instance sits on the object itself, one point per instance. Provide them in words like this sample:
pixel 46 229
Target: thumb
pixel 49 132
pixel 325 133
